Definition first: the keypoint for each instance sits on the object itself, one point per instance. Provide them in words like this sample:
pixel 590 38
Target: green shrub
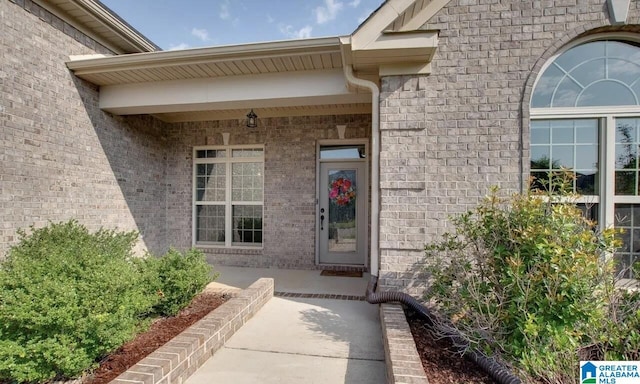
pixel 178 278
pixel 525 278
pixel 621 339
pixel 67 297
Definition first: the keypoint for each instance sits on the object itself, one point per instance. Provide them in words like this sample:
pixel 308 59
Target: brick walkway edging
pixel 178 359
pixel 401 356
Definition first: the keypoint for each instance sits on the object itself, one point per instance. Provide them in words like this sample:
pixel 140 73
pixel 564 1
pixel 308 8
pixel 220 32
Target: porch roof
pixel 283 78
pixel 211 62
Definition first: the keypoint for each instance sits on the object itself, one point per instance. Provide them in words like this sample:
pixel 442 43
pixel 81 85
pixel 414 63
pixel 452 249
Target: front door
pixel 342 213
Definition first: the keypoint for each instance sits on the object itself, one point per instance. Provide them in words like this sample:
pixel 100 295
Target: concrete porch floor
pixel 291 281
pixel 294 340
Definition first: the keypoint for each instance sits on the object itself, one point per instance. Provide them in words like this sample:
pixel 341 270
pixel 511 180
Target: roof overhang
pixel 97 21
pixel 211 62
pixel 284 78
pixel 392 41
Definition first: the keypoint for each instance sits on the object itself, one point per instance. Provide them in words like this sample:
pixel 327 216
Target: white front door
pixel 342 213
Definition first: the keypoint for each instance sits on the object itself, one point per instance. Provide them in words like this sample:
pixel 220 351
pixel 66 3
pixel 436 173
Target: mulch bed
pixel 441 364
pixel 159 333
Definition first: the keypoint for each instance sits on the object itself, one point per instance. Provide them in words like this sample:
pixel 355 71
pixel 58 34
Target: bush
pixel 178 278
pixel 526 278
pixel 67 297
pixel 621 339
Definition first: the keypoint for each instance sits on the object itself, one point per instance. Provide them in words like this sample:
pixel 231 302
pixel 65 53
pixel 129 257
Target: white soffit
pixel 236 60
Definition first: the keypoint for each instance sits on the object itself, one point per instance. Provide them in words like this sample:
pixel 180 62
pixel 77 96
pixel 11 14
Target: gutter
pixel 203 55
pixel 375 155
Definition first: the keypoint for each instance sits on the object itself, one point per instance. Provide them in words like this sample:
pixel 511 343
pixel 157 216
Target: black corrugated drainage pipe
pixel 497 372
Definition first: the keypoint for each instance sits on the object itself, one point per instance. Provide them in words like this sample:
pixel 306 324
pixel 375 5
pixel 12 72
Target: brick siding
pixel 289 183
pixel 445 137
pixel 448 136
pixel 60 156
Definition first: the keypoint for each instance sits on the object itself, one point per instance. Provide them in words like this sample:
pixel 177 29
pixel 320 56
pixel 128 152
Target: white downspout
pixel 375 160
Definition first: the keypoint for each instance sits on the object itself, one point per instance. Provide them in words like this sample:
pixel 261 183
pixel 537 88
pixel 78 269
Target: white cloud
pixel 270 19
pixel 304 33
pixel 328 12
pixel 224 10
pixel 354 3
pixel 201 34
pixel 173 47
pixel 290 32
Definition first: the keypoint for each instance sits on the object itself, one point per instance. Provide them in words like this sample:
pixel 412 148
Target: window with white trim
pixel 585 117
pixel 228 196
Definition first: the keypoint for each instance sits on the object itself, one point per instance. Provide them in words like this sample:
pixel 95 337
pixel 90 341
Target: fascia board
pixel 417 39
pixel 286 102
pixel 398 48
pixel 227 92
pixel 377 23
pixel 424 15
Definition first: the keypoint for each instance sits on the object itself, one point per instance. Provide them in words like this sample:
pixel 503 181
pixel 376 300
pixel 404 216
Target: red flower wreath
pixel 341 191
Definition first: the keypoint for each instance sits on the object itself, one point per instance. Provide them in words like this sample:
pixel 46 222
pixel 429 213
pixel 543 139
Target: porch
pixel 292 281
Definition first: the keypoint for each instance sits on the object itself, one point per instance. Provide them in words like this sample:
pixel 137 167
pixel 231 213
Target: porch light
pixel 252 119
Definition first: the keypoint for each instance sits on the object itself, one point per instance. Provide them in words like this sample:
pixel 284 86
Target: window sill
pixel 231 248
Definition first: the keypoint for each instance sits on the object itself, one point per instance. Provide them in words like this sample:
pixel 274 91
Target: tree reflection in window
pixel 627 141
pixel 559 147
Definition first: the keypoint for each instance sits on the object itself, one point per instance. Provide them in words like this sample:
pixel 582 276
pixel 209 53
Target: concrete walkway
pixel 301 340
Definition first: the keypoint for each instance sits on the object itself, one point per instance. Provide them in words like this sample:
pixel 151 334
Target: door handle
pixel 321 222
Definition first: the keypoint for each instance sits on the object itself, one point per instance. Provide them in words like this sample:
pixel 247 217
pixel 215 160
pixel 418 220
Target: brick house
pixel 363 144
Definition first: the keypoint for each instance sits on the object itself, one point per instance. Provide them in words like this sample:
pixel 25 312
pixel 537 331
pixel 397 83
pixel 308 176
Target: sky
pixel 181 24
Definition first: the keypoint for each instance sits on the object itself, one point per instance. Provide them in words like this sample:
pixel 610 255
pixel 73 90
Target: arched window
pixel 585 116
pixel 599 73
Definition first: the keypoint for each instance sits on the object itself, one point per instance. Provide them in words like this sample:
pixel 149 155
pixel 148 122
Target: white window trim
pixel 228 160
pixel 606 174
pixel 607 115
